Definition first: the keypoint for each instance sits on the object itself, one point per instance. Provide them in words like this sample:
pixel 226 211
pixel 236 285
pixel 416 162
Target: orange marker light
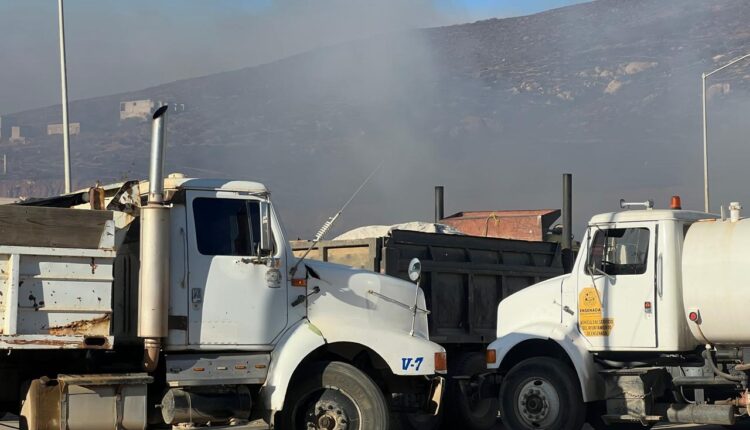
pixel 491 356
pixel 299 282
pixel 441 362
pixel 676 203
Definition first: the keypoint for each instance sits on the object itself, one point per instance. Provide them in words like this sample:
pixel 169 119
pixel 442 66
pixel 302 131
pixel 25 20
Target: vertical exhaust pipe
pixel 153 291
pixel 439 204
pixel 567 227
pixel 158 148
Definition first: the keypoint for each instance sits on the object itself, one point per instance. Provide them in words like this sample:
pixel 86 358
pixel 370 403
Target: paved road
pixel 12 423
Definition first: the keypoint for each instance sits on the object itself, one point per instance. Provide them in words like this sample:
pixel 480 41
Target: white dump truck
pixel 648 327
pixel 172 303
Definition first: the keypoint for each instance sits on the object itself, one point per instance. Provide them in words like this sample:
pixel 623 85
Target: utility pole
pixel 64 85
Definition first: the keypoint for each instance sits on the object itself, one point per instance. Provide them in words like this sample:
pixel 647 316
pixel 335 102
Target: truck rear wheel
pixel 468 409
pixel 334 396
pixel 542 394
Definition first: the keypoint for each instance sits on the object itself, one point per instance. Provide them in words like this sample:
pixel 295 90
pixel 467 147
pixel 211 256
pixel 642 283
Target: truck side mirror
pixel 266 242
pixel 415 269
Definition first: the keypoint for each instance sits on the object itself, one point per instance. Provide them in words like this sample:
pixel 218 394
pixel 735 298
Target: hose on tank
pixel 708 356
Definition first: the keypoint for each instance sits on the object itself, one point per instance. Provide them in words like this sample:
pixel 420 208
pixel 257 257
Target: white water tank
pixel 716 280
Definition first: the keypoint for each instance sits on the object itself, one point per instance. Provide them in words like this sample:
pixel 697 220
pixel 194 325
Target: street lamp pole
pixel 64 85
pixel 704 76
pixel 706 202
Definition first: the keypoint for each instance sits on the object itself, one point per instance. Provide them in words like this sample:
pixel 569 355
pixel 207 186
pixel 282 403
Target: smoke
pixel 115 46
pixel 495 110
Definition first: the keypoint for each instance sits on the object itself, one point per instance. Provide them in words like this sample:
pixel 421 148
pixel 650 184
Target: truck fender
pixel 592 385
pixel 404 354
pixel 296 344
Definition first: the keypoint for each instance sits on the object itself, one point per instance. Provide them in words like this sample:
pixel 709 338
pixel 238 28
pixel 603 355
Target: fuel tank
pixel 716 280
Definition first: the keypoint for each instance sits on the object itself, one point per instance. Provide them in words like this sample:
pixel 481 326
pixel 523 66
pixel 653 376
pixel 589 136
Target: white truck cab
pixel 615 342
pixel 234 296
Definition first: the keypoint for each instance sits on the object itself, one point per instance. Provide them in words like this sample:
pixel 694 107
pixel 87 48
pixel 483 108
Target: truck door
pixel 234 298
pixel 616 287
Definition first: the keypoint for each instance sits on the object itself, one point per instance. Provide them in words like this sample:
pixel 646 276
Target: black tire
pixel 334 391
pixel 466 409
pixel 594 412
pixel 542 394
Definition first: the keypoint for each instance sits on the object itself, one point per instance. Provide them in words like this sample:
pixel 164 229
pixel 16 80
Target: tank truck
pixel 646 328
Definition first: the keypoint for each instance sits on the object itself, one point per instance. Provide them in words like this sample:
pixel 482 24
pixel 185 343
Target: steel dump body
pixel 464 277
pixel 56 278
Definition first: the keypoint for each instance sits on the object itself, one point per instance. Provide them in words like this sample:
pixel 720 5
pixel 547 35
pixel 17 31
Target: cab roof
pixel 178 182
pixel 651 215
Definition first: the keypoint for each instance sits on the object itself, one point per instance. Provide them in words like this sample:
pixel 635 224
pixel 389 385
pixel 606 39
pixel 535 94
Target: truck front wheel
pixel 334 396
pixel 542 393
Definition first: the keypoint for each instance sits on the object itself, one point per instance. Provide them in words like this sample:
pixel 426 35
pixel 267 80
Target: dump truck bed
pixel 55 278
pixel 464 277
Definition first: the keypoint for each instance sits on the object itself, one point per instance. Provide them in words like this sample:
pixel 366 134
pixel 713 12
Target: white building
pixel 15 135
pixel 73 128
pixel 136 109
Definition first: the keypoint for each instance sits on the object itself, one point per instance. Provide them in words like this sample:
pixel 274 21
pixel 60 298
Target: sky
pixel 115 46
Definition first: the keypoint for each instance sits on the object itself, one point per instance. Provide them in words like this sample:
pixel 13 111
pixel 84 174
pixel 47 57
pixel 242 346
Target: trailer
pixel 464 277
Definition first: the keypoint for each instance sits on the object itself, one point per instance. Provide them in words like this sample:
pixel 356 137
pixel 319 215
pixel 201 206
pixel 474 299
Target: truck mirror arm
pixel 599 271
pixel 302 297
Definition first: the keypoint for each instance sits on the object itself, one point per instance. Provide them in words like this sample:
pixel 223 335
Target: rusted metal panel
pixel 530 225
pixel 91 327
pixel 55 298
pixel 55 342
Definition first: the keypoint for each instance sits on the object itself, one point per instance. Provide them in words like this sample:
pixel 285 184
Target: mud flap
pixel 437 388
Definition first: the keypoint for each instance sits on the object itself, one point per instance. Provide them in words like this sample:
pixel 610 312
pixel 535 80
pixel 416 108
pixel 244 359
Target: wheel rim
pixel 538 403
pixel 328 409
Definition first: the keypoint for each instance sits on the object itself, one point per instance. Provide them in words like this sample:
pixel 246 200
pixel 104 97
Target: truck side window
pixel 619 251
pixel 227 226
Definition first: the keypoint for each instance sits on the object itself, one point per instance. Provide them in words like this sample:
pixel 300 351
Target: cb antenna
pixel 329 223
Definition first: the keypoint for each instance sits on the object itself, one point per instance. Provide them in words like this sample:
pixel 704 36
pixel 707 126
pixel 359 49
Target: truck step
pixel 611 419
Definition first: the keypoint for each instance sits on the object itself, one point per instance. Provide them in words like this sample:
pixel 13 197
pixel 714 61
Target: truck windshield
pixel 619 251
pixel 227 226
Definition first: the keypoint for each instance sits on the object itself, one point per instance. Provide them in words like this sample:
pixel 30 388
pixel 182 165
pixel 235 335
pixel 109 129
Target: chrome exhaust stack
pixel 153 291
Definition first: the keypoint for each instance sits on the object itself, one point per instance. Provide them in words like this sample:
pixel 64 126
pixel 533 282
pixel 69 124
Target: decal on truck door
pixel 590 316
